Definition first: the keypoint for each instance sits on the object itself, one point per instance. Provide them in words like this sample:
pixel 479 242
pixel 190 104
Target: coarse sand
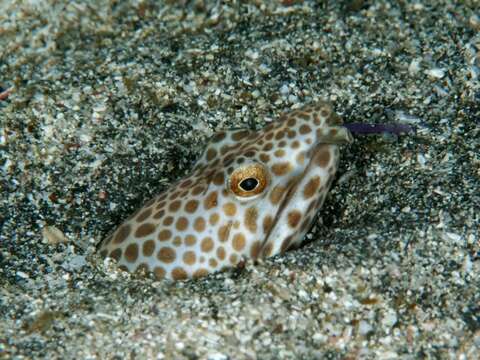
pixel 103 104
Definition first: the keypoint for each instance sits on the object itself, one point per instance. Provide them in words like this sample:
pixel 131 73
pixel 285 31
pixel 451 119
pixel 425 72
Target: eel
pixel 252 194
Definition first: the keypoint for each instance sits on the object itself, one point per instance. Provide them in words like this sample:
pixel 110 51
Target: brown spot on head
pixel 175 205
pixel 168 221
pixel 255 249
pixel 305 129
pixel 250 153
pixel 304 115
pixel 159 272
pixel 290 134
pixel 186 183
pixel 211 153
pixel 116 254
pixel 238 242
pixel 277 194
pixel 291 121
pixel 264 157
pixel 191 206
pixel 145 229
pixel 207 244
pixel 131 252
pixel 267 224
pixel 122 233
pixel 182 223
pixel 199 224
pixel 218 178
pixel 174 195
pixel 268 146
pixel 166 255
pixel 281 168
pixel 198 190
pixel 213 263
pixel 239 135
pixel 190 240
pixel 294 217
pixel 164 235
pixel 144 215
pixel 211 200
pixel 227 160
pixel 280 135
pixel 179 274
pixel 221 253
pixel 159 214
pixel 251 215
pixel 230 209
pixel 311 187
pixel 213 220
pixel 322 158
pixel 148 247
pixel 189 257
pixel 295 144
pixel 200 273
pixel 325 111
pixel 233 259
pixel 224 232
pixel 177 241
pixel 279 153
pixel 219 136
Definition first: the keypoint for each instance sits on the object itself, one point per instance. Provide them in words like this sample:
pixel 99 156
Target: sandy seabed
pixel 104 104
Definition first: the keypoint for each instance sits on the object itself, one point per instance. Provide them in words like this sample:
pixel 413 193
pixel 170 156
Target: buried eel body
pixel 252 194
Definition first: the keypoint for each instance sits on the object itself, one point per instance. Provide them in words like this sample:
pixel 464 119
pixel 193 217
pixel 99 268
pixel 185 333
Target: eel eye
pixel 249 180
pixel 248 184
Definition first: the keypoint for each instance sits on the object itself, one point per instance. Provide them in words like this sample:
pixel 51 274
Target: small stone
pixel 52 235
pixel 436 73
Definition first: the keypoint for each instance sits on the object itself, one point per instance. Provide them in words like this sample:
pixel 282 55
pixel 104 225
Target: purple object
pixel 363 128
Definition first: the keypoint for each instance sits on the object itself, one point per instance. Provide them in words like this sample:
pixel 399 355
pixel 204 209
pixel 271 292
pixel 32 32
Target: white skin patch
pixel 250 195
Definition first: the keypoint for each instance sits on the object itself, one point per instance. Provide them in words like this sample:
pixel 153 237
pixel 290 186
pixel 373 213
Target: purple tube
pixel 363 128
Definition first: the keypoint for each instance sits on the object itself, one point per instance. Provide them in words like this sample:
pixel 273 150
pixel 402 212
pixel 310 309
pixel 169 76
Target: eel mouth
pixel 292 188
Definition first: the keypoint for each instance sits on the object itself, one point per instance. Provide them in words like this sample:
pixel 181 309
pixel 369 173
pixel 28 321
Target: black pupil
pixel 249 184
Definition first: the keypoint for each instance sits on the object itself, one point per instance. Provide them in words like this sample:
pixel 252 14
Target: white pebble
pixel 436 73
pixel 389 319
pixel 217 356
pixel 364 327
pixel 284 90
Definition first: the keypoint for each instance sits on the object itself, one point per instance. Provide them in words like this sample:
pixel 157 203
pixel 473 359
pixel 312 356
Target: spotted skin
pixel 252 194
